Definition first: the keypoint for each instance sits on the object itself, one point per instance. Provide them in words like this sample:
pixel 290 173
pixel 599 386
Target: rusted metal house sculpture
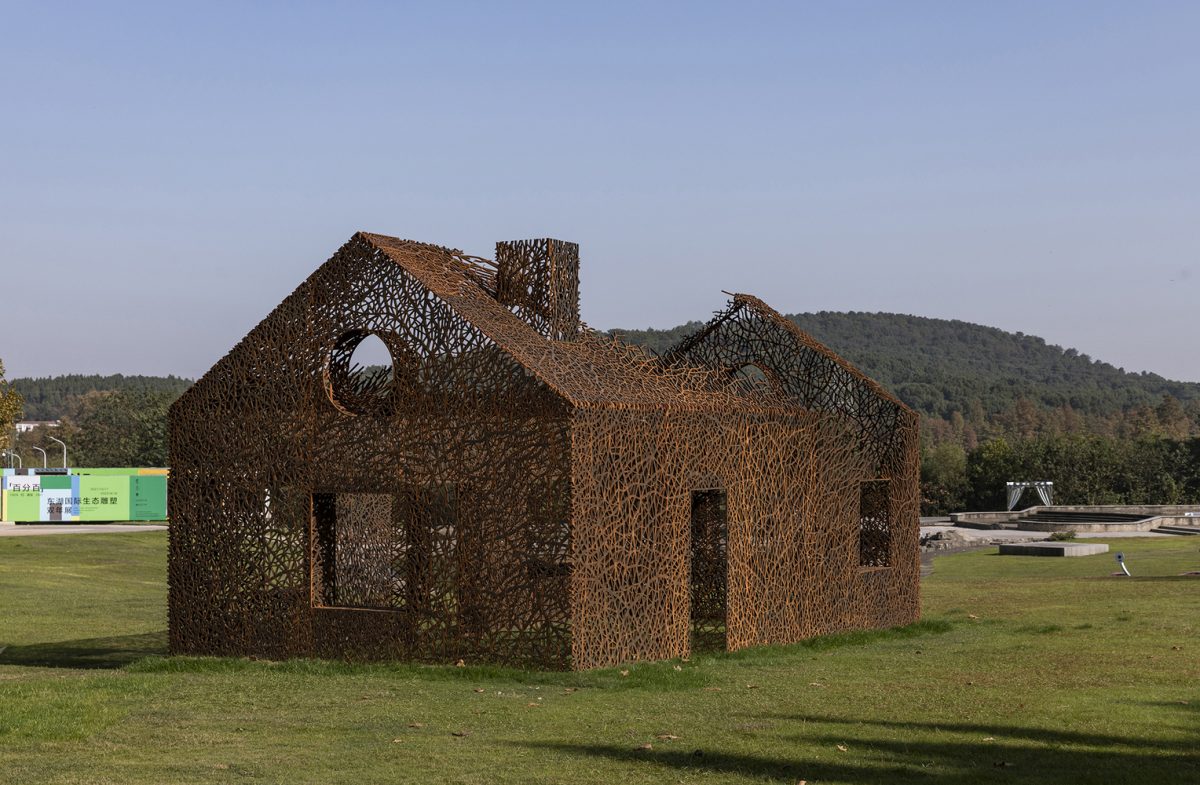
pixel 518 488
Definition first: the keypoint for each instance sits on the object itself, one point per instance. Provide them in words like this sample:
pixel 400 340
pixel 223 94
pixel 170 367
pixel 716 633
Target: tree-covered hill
pixel 51 398
pixel 939 366
pixel 982 378
pixel 969 382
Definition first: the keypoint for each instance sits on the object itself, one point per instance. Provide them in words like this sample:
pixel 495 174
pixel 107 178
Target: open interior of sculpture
pixel 423 455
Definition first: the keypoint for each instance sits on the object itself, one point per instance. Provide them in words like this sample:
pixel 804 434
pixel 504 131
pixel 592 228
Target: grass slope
pixel 1025 669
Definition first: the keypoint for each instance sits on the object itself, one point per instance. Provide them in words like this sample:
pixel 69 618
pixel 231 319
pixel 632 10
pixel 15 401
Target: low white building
pixel 28 425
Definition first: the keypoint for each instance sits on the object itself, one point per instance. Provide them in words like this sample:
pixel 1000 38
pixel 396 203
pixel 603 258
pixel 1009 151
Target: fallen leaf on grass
pixel 815 684
pixel 752 686
pixel 842 747
pixel 667 736
pixel 416 725
pixel 532 705
pixel 569 690
pixel 972 616
pixel 460 733
pixel 479 689
pixel 712 689
pixel 646 746
pixel 397 741
pixel 624 673
pixel 1176 648
pixel 678 667
pixel 460 664
pixel 990 738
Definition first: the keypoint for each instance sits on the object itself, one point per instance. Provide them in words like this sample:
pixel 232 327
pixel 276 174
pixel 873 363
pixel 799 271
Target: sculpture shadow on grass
pixel 1007 733
pixel 87 653
pixel 877 751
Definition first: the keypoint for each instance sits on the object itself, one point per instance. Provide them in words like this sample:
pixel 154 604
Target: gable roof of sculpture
pixel 593 369
pixel 588 370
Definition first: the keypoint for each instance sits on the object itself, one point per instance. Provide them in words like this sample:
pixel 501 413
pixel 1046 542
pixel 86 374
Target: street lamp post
pixel 64 446
pixel 13 454
pixel 43 452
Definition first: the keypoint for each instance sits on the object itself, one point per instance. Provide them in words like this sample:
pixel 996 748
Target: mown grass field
pixel 1024 669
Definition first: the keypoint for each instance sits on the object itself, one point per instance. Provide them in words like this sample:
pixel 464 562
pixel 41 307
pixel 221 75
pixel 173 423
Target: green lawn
pixel 1024 669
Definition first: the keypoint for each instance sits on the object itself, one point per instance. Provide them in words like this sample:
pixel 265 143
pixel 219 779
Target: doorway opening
pixel 709 568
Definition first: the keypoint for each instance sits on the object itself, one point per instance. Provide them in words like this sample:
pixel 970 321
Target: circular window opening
pixel 361 374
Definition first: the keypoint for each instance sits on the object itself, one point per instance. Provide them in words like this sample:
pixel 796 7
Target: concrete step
pixel 1177 530
pixel 1052 548
pixel 1083 517
pixel 988 525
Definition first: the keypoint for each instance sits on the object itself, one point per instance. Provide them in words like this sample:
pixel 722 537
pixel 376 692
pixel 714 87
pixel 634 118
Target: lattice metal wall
pixel 517 488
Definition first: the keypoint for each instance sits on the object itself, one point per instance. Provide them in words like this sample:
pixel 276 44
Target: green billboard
pixel 81 495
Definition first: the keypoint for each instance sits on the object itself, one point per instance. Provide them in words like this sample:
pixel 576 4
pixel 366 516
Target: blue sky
pixel 168 173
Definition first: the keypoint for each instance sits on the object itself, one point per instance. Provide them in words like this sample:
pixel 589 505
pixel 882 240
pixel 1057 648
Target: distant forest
pixel 970 383
pixel 52 398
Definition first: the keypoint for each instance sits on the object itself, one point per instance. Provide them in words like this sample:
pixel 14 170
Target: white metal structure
pixel 1044 488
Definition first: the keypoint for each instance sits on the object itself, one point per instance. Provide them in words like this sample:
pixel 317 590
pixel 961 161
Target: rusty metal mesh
pixel 517 488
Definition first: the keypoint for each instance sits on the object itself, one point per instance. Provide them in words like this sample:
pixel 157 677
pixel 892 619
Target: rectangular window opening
pixel 384 551
pixel 361 549
pixel 874 523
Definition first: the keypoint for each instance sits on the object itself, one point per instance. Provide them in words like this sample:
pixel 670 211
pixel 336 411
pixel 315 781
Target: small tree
pixel 943 479
pixel 10 409
pixel 988 468
pixel 121 429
